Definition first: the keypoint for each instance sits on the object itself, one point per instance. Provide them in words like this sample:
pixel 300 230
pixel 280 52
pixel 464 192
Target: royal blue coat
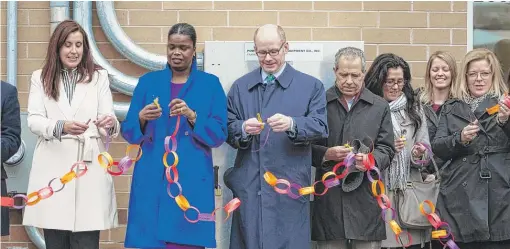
pixel 153 217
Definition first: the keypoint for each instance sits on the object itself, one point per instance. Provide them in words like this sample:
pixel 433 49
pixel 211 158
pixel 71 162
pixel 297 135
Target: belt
pixel 85 146
pixel 484 151
pixel 492 149
pixel 485 173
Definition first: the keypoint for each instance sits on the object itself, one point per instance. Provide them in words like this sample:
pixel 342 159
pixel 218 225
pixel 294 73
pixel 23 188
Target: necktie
pixel 269 79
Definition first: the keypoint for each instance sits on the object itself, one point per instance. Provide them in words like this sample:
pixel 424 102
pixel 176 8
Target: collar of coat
pixel 166 76
pixel 334 94
pixel 255 78
pixel 479 113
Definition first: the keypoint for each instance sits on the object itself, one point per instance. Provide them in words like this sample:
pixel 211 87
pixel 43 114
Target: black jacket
pixel 356 214
pixel 432 123
pixel 476 206
pixel 11 123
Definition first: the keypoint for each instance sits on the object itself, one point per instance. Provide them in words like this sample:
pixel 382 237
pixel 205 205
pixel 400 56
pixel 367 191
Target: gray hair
pixel 351 53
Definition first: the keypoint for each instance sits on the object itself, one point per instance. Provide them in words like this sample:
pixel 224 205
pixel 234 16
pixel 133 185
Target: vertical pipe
pixel 470 13
pixel 12 42
pixel 59 11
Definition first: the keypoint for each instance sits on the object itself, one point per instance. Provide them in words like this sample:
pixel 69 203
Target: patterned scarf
pixel 474 102
pixel 399 168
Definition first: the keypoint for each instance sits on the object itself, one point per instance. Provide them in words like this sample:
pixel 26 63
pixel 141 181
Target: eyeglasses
pixel 391 83
pixel 272 52
pixel 474 75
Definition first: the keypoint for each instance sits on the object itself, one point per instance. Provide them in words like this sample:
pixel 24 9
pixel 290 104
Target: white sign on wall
pixel 298 51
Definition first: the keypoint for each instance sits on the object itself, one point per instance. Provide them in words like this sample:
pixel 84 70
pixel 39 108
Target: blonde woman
pixel 440 73
pixel 476 184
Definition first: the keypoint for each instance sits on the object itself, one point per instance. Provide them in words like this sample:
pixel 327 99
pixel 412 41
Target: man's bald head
pixel 270 47
pixel 269 32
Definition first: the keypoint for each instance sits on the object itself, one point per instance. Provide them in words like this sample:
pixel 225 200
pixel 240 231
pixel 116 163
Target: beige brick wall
pixel 412 30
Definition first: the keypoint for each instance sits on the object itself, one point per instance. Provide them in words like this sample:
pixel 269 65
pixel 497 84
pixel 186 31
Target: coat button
pixel 259 192
pixel 464 159
pixel 186 133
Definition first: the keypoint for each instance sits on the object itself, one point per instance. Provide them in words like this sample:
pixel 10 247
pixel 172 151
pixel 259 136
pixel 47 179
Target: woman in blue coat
pixel 193 102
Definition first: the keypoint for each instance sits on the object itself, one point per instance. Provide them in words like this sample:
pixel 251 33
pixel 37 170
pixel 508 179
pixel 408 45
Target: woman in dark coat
pixel 475 186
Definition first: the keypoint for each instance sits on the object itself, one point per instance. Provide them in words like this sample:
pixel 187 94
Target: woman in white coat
pixel 70 109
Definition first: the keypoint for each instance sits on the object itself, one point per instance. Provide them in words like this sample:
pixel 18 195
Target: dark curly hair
pixel 376 77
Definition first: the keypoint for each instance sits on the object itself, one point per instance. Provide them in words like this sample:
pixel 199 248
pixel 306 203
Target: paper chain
pixel 331 179
pixel 77 170
pixel 180 200
pixel 382 199
pixel 106 162
pixel 432 217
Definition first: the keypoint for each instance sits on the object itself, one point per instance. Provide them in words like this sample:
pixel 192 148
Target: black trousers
pixel 505 244
pixel 4 216
pixel 60 239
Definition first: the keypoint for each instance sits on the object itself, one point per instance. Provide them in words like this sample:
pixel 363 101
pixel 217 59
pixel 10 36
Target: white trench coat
pixel 86 203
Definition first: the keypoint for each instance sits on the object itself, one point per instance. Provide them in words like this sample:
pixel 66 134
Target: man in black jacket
pixel 357 117
pixel 11 139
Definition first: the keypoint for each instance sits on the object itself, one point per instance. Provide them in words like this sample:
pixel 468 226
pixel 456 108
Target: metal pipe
pixel 12 42
pixel 121 109
pixel 82 13
pixel 36 237
pixel 125 46
pixel 59 11
pixel 122 43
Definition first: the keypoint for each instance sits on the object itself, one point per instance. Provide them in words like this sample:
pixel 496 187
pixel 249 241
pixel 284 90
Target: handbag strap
pixel 438 176
pixel 431 157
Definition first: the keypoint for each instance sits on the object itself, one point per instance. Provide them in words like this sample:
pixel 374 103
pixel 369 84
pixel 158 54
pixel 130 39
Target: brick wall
pixel 412 30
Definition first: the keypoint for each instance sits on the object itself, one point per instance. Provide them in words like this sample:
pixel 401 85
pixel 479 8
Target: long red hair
pixel 50 75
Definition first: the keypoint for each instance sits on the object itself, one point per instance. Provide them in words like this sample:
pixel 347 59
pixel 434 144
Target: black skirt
pixel 5 211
